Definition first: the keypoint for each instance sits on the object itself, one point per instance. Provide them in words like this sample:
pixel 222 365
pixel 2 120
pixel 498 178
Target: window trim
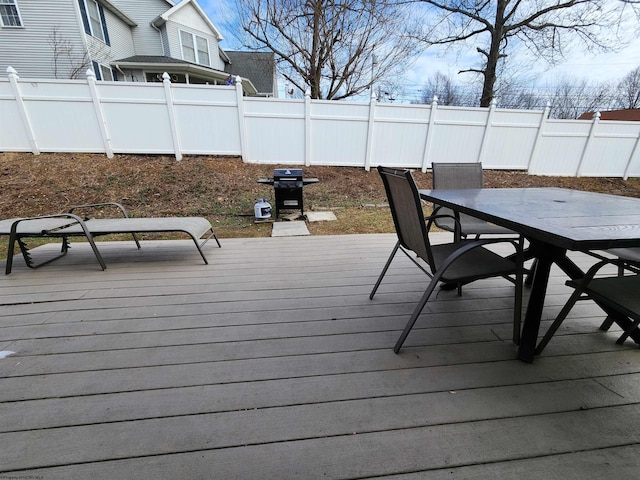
pixel 194 40
pixel 93 8
pixel 88 21
pixel 13 3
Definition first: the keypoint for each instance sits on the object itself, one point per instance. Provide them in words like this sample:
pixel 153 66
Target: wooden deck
pixel 272 363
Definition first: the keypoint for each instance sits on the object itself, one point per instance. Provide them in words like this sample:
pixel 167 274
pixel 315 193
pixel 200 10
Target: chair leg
pixel 416 313
pixel 558 321
pixel 628 332
pixel 606 325
pixel 384 270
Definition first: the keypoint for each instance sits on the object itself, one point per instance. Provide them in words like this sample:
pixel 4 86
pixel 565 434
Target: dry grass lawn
pixel 222 189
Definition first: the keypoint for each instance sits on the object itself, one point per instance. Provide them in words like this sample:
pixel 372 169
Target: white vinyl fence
pixel 178 119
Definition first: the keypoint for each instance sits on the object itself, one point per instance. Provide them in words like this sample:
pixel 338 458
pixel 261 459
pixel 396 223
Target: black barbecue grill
pixel 287 184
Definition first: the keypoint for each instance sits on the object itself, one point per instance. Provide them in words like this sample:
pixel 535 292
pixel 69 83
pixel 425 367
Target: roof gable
pixel 165 16
pixel 118 13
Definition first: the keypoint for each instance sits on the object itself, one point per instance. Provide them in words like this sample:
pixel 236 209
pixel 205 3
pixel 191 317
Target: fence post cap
pixel 11 70
pixel 90 73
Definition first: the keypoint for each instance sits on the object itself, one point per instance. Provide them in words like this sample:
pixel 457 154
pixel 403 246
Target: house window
pixel 106 72
pixel 194 48
pixel 9 14
pixel 94 20
pixel 103 72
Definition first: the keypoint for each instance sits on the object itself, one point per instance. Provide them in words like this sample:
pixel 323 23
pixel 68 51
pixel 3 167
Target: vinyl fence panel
pixel 178 119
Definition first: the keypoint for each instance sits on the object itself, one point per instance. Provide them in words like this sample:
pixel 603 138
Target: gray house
pixel 125 40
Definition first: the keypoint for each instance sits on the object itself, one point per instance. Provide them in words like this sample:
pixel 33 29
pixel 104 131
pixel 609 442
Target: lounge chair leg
pixel 201 252
pixel 135 239
pixel 10 252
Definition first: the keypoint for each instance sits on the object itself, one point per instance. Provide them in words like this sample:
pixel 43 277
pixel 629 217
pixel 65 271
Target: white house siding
pixel 165 40
pixel 187 19
pixel 120 37
pixel 31 52
pixel 121 43
pixel 146 39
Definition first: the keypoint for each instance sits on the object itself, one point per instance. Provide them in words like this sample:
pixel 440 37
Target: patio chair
pixel 617 295
pixel 630 258
pixel 459 262
pixel 454 176
pixel 629 261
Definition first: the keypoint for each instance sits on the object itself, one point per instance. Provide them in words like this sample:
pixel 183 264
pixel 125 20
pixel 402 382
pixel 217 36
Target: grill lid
pixel 287 174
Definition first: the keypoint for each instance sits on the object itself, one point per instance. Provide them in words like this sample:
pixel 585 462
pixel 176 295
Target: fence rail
pixel 177 119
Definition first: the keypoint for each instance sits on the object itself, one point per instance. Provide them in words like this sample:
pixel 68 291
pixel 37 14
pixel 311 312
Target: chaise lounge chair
pixel 67 225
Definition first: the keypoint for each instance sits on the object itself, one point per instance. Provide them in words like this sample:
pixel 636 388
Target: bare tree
pixel 67 61
pixel 70 60
pixel 521 98
pixel 447 91
pixel 571 97
pixel 544 27
pixel 335 48
pixel 629 90
pixel 443 87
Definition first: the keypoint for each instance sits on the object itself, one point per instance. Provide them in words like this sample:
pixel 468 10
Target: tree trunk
pixel 493 55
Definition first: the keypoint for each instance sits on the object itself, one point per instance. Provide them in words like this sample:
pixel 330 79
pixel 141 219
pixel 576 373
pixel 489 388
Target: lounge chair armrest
pixel 74 219
pixel 97 205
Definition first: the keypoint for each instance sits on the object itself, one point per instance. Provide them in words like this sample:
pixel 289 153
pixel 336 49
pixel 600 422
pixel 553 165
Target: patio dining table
pixel 553 220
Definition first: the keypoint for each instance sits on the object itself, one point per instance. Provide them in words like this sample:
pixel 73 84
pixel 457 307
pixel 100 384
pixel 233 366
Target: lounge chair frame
pixel 65 225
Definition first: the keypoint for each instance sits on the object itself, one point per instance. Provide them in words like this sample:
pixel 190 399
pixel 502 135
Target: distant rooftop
pixel 258 66
pixel 628 115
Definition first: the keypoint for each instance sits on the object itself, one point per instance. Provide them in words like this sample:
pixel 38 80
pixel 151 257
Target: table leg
pixel 546 255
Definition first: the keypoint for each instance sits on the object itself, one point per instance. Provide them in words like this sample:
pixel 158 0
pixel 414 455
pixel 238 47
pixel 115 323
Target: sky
pixel 596 68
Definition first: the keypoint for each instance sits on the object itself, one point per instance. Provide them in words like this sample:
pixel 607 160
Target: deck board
pixel 272 362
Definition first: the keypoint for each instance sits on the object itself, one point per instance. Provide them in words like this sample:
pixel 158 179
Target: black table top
pixel 570 219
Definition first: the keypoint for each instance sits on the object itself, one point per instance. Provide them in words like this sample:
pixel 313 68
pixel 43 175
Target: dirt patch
pixel 222 189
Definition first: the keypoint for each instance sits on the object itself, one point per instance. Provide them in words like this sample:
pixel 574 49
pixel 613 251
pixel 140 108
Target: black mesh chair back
pixel 460 176
pixel 406 210
pixel 457 176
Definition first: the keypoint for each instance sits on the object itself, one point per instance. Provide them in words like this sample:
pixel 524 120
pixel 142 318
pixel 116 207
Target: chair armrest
pixel 434 216
pixel 581 284
pixel 517 243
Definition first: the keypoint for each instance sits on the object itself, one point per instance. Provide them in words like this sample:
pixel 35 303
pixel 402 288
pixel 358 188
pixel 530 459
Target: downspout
pixel 153 25
pixel 124 75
